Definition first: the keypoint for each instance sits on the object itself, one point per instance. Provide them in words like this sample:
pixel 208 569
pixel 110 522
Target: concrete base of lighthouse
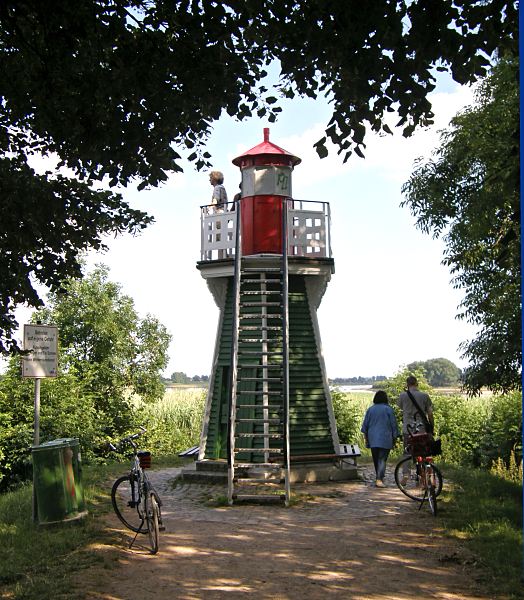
pixel 215 471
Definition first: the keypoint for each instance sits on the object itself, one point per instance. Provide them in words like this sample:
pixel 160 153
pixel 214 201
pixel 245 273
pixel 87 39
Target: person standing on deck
pixel 219 197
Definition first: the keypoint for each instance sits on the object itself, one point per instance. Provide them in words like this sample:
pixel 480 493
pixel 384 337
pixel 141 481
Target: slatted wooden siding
pixel 310 431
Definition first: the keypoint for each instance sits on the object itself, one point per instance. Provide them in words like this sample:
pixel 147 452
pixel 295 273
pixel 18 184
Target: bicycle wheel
pixel 152 521
pixel 410 482
pixel 436 479
pixel 126 503
pixel 432 499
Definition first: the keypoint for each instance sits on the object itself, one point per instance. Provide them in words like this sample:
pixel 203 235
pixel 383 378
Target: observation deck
pixel 308 231
pixel 309 245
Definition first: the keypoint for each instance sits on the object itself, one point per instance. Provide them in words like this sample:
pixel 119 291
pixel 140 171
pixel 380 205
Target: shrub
pixel 349 412
pixel 460 422
pixel 503 431
pixel 67 409
pixel 509 472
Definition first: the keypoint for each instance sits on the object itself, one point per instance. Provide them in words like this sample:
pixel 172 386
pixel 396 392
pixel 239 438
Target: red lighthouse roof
pixel 266 149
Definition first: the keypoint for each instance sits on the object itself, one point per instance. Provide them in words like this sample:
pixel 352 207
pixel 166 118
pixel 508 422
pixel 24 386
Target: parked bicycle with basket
pixel 135 500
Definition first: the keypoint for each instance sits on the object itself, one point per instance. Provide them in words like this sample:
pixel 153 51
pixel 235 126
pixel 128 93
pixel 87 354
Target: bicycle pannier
pixel 418 444
pixel 145 459
pixel 435 447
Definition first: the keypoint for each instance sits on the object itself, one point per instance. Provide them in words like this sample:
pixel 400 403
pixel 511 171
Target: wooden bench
pixel 349 451
pixel 345 452
pixel 190 452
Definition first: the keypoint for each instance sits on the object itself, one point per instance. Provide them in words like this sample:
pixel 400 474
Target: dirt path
pixel 345 540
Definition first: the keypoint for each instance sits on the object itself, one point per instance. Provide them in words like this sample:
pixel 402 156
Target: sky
pixel 390 301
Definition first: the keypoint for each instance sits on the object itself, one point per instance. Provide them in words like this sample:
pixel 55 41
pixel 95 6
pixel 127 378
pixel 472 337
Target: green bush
pixel 349 409
pixel 474 431
pixel 477 431
pixel 68 408
pixel 460 423
pixel 510 472
pixel 503 432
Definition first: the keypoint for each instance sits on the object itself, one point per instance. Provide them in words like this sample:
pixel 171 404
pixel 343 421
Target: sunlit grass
pixel 35 560
pixel 485 512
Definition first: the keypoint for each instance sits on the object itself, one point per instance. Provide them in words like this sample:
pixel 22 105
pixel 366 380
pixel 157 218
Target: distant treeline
pixel 357 380
pixel 438 372
pixel 180 377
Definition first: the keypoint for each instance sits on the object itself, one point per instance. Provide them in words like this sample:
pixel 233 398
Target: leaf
pixel 321 149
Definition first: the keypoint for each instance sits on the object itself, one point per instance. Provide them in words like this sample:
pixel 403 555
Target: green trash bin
pixel 57 477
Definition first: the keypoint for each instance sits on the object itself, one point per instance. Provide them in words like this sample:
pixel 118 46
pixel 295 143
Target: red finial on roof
pixel 266 150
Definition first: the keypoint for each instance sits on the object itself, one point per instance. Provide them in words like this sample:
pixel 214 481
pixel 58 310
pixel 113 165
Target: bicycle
pixel 135 501
pixel 417 476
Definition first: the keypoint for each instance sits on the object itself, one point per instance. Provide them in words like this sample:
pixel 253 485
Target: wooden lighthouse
pixel 267 262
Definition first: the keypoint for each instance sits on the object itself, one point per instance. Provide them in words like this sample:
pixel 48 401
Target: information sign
pixel 41 341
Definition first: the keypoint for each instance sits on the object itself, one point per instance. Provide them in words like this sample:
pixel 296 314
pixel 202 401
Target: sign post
pixel 41 346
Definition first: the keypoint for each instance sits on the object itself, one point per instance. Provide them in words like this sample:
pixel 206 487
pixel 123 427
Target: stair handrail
pixel 285 343
pixel 232 384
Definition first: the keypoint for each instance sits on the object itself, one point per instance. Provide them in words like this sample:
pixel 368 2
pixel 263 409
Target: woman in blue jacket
pixel 380 430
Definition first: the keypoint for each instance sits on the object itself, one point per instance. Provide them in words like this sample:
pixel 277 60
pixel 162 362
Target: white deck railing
pixel 308 231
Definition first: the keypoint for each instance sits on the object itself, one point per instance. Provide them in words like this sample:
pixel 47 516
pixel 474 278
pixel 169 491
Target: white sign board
pixel 266 180
pixel 41 341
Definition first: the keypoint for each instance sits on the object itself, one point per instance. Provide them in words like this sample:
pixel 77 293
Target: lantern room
pixel 266 180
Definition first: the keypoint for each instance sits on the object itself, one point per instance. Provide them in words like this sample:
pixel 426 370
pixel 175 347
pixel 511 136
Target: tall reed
pixel 175 421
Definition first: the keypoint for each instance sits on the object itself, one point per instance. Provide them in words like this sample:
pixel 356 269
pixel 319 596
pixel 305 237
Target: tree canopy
pixel 469 193
pixel 108 357
pixel 439 372
pixel 103 339
pixel 119 90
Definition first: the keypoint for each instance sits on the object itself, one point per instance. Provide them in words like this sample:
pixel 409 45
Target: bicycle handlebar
pixel 129 439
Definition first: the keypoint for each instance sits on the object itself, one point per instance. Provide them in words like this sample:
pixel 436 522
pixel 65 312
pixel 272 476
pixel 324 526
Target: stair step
pixel 261 293
pixel 259 497
pixel 260 450
pixel 273 436
pixel 260 328
pixel 274 280
pixel 271 407
pixel 259 340
pixel 266 466
pixel 261 379
pixel 261 352
pixel 249 480
pixel 260 316
pixel 246 420
pixel 261 271
pixel 261 303
pixel 259 366
pixel 257 393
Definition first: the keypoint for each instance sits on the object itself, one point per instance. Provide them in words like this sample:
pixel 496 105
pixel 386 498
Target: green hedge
pixel 475 431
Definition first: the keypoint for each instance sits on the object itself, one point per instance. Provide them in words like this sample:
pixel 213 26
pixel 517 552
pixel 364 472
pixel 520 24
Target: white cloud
pixel 390 155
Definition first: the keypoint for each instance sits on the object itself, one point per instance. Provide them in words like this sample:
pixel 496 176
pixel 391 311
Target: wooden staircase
pixel 258 436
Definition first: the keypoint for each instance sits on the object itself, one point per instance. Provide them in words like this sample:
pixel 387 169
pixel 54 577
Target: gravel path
pixel 343 539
